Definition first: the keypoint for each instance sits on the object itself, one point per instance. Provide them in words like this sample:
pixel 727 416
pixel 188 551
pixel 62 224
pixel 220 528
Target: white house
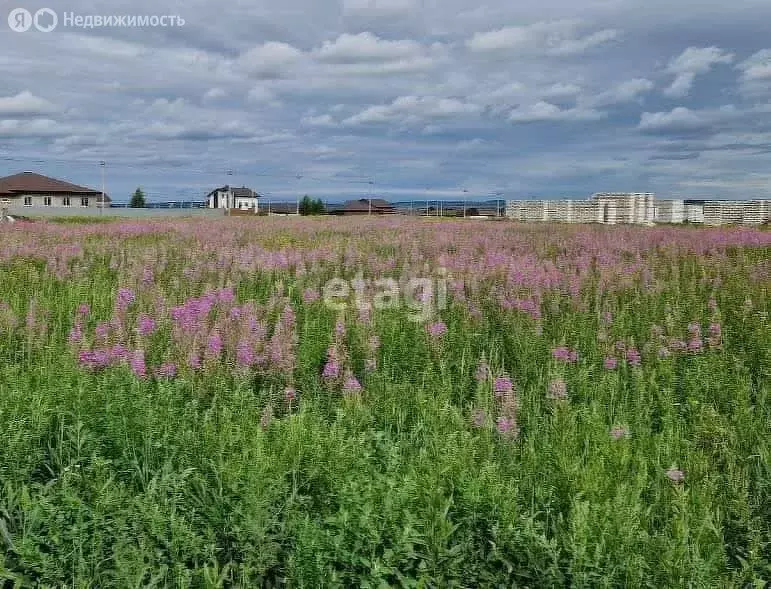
pixel 230 197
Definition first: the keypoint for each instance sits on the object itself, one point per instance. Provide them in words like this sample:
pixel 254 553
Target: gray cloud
pixel 544 98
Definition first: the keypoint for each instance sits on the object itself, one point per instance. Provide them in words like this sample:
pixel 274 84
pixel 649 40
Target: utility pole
pixel 227 195
pixel 102 165
pixel 299 177
pixel 371 184
pixel 465 192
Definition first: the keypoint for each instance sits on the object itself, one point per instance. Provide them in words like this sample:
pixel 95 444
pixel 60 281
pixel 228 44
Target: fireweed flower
pixel 76 334
pixel 565 354
pixel 507 426
pixel 332 367
pixel 84 310
pixel 194 360
pixel 94 360
pixel 437 330
pixel 558 390
pixel 633 356
pixel 310 295
pixel 715 337
pixel 138 366
pixel 675 475
pixel 168 370
pixel 610 363
pixel 479 418
pixel 145 325
pixel 245 355
pixel 483 371
pixel 214 346
pixel 351 386
pixel 125 297
pixel 503 386
pixel 619 433
pixel 266 417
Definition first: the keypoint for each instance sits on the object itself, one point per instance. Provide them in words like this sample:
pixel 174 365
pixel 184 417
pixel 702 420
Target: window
pixel 66 201
pixel 47 201
pixel 27 201
pixel 84 201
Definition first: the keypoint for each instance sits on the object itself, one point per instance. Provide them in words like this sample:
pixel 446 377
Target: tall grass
pixel 651 470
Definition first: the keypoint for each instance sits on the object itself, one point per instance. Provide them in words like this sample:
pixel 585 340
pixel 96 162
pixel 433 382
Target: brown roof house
pixel 362 207
pixel 34 190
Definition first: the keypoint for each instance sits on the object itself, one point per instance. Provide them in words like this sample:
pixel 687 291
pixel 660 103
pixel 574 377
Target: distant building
pixel 364 206
pixel 230 197
pixel 640 208
pixel 633 208
pixel 282 209
pixel 35 190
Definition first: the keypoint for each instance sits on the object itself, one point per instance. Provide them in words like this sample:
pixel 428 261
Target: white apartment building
pixel 640 208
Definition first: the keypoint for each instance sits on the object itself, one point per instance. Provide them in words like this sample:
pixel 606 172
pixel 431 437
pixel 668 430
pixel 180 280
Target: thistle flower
pixel 610 363
pixel 675 475
pixel 290 394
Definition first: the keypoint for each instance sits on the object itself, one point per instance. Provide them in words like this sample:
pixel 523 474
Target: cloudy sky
pixel 420 97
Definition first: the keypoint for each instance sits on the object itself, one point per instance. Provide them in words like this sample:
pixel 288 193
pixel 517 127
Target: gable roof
pixel 242 192
pixel 26 182
pixel 362 204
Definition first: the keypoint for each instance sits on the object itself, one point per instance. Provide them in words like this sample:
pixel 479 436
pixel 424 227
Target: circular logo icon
pixel 20 20
pixel 46 15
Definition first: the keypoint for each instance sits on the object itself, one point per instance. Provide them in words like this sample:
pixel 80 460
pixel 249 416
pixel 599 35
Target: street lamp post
pixel 498 194
pixel 227 195
pixel 102 165
pixel 465 192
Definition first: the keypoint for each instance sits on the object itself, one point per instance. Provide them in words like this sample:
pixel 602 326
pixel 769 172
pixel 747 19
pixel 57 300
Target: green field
pixel 553 406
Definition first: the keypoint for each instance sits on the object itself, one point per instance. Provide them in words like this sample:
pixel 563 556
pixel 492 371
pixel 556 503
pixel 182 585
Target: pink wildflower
pixel 558 390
